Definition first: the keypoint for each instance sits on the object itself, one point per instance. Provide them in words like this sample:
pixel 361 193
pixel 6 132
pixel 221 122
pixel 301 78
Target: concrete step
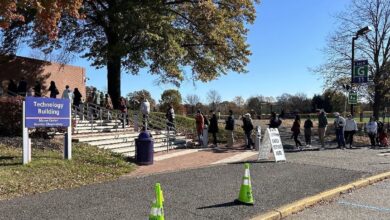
pixel 97 124
pixel 113 135
pixel 98 127
pixel 105 142
pixel 106 130
pixel 157 147
pixel 97 121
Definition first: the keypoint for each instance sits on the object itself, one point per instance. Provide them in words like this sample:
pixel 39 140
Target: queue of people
pixel 344 129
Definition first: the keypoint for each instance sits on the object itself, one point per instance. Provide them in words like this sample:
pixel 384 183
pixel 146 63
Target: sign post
pixel 46 112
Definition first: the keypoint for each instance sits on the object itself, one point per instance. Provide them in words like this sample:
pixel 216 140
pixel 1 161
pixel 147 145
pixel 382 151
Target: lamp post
pixel 360 32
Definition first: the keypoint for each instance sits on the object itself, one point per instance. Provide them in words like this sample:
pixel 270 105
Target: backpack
pixel 206 121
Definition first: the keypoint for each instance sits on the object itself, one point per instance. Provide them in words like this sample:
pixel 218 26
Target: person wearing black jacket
pixel 248 127
pixel 275 121
pixel 76 97
pixel 12 88
pixel 213 128
pixel 53 90
pixel 308 126
pixel 230 128
pixel 22 87
pixel 37 89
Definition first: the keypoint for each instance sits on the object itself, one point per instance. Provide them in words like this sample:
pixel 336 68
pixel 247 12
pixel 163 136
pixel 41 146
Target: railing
pixel 96 114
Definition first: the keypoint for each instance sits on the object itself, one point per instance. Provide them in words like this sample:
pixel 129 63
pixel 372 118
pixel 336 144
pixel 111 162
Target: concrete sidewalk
pixel 371 202
pixel 182 159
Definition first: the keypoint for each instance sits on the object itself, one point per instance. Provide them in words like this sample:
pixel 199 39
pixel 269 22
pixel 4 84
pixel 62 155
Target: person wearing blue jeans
pixel 339 124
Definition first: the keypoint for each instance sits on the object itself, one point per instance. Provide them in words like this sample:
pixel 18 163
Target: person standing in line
pixel 308 125
pixel 97 98
pixel 123 109
pixel 213 128
pixel 248 127
pixel 380 129
pixel 77 97
pixel 53 90
pixel 108 102
pixel 170 115
pixel 67 94
pixel 145 110
pixel 339 124
pixel 274 121
pixel 108 105
pixel 91 97
pixel 372 130
pixel 12 88
pixel 102 100
pixel 230 129
pixel 199 126
pixel 350 130
pixel 322 125
pixel 296 129
pixel 37 89
pixel 22 87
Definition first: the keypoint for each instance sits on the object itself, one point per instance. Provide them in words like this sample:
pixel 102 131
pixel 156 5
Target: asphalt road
pixel 206 193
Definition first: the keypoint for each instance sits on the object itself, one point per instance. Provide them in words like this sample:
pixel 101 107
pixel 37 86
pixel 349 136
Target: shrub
pixel 11 116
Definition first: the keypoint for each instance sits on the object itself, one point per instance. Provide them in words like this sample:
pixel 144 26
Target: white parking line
pixel 237 158
pixel 381 209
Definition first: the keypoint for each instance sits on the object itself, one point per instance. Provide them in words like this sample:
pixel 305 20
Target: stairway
pixel 111 135
pixel 124 142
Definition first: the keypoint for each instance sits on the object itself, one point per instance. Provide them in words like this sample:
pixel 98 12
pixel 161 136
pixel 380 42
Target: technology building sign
pixel 47 112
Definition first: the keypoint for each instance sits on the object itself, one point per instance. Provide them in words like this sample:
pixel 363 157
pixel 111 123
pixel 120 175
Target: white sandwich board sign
pixel 272 142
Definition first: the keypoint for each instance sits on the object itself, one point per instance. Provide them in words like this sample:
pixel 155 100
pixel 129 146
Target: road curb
pixel 300 205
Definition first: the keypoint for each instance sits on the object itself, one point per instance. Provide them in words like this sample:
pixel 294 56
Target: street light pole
pixel 352 66
pixel 360 32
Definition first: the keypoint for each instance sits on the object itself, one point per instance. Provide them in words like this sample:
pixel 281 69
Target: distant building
pixel 16 67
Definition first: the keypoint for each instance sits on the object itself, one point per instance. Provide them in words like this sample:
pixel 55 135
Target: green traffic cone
pixel 246 197
pixel 157 211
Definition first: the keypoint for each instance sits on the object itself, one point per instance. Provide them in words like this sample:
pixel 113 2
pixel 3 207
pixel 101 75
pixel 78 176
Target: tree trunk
pixel 377 101
pixel 114 79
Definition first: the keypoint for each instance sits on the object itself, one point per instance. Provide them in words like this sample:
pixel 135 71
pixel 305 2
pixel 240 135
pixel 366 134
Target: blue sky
pixel 285 40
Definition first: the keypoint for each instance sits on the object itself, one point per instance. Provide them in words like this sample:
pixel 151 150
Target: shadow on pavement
pixel 227 204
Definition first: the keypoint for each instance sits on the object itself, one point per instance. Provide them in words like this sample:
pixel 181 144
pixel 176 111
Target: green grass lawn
pixel 49 171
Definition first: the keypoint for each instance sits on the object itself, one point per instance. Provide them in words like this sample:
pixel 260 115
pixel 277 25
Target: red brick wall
pixel 32 69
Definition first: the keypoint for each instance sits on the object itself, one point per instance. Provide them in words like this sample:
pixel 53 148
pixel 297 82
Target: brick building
pixel 16 67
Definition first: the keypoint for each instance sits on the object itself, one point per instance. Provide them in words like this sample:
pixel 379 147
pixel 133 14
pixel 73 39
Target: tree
pixel 136 97
pixel 254 104
pixel 317 102
pixel 171 97
pixel 334 101
pixel 165 36
pixel 46 14
pixel 214 98
pixel 374 46
pixel 192 101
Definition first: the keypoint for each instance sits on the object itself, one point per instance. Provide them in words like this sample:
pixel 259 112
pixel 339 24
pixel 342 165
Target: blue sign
pixel 47 112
